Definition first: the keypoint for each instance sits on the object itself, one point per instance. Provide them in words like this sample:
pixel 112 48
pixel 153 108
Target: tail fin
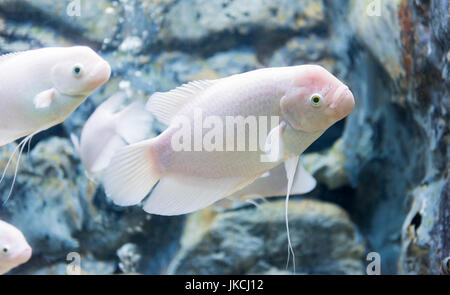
pixel 132 173
pixel 134 123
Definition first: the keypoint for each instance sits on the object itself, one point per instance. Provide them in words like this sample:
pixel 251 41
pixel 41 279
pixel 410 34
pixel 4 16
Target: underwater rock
pixel 218 25
pixel 398 135
pixel 304 49
pixel 89 266
pixel 439 21
pixel 380 32
pixel 16 36
pixel 132 44
pixel 86 21
pixel 181 68
pixel 422 237
pixel 129 258
pixel 328 167
pixel 250 241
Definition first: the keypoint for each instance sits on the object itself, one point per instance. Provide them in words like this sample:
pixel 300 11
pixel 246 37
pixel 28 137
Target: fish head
pixel 316 99
pixel 14 249
pixel 79 72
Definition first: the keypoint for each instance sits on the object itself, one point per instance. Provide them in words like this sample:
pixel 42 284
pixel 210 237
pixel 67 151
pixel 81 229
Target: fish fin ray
pixel 131 174
pixel 303 181
pixel 165 105
pixel 274 146
pixel 176 195
pixel 133 123
pixel 103 160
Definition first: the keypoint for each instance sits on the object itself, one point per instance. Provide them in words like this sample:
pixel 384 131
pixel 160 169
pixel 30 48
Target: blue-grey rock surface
pixel 383 173
pixel 251 241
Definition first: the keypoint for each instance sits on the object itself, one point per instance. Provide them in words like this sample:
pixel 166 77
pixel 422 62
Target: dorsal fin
pixel 165 105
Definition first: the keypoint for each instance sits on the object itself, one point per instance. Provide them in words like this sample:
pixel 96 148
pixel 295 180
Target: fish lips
pixel 100 74
pixel 23 255
pixel 343 102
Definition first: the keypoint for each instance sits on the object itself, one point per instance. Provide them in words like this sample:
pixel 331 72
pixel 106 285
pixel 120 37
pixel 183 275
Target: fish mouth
pixel 24 255
pixel 343 101
pixel 100 74
pixel 338 95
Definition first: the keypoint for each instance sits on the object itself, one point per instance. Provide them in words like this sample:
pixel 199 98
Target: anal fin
pixel 176 194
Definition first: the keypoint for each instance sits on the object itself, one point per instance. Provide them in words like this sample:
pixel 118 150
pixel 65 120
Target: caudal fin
pixel 131 174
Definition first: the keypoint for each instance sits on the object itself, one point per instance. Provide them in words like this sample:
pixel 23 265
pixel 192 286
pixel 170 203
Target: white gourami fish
pixel 14 249
pixel 109 129
pixel 308 100
pixel 41 88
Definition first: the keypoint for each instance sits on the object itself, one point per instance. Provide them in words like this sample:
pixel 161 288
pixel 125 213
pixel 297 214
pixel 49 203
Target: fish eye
pixel 77 70
pixel 316 99
pixel 5 250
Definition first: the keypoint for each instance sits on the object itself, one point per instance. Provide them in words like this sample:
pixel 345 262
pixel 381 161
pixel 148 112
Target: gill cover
pixel 70 78
pixel 306 108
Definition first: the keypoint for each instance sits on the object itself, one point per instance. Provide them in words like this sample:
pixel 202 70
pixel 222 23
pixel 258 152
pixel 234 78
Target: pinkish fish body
pixel 41 88
pixel 306 99
pixel 14 249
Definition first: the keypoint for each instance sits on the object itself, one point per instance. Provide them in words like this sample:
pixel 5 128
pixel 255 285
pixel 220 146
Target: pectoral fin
pixel 44 99
pixel 274 146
